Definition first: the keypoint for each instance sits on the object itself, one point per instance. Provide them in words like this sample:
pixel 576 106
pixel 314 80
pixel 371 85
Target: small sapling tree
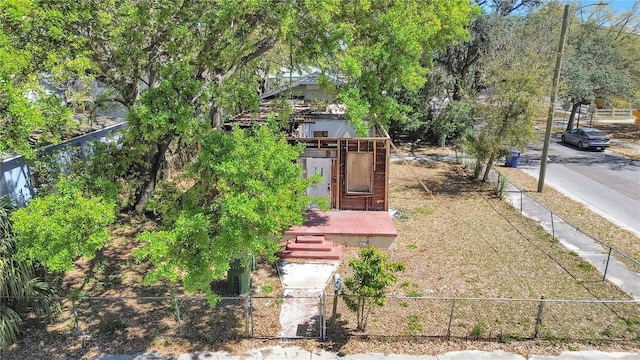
pixel 372 274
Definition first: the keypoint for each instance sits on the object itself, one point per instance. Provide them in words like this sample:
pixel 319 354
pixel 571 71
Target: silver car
pixel 586 138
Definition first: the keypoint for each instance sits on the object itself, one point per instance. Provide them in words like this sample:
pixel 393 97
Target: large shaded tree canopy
pixel 137 46
pixel 594 67
pixel 247 189
pixel 389 48
pixel 181 68
pixel 459 60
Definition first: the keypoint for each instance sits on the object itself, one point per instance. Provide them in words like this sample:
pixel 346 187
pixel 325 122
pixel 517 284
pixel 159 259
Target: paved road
pixel 606 183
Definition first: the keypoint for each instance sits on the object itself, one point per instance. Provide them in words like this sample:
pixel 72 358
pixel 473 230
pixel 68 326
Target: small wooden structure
pixel 354 170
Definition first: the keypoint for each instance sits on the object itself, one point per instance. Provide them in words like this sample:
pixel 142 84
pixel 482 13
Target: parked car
pixel 586 138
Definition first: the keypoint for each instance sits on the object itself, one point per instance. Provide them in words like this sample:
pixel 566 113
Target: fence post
pixel 246 315
pixel 606 267
pixel 553 227
pixel 539 318
pixel 335 308
pixel 324 316
pixel 453 305
pixel 74 310
pixel 175 303
pixel 521 202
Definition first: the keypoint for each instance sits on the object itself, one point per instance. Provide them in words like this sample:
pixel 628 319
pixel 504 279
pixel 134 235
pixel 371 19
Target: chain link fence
pixel 105 320
pixel 501 319
pixel 615 265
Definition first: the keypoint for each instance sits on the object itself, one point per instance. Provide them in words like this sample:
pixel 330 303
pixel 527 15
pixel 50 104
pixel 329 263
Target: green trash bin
pixel 239 278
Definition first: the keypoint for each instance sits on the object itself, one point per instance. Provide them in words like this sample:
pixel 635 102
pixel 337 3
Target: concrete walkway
pixel 303 285
pixel 296 353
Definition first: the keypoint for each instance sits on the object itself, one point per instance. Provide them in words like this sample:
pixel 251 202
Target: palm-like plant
pixel 20 289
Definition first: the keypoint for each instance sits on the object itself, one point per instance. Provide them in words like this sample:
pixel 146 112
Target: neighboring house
pixel 106 119
pixel 15 180
pixel 305 89
pixel 15 175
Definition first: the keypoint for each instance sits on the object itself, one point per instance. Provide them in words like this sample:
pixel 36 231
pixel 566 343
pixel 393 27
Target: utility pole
pixel 554 95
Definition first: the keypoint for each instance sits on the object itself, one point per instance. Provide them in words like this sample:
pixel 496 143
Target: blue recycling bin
pixel 512 158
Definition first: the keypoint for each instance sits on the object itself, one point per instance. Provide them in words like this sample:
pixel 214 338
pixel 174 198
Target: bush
pixel 58 228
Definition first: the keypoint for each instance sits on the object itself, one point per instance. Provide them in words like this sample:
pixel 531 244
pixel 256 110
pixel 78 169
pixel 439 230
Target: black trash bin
pixel 512 158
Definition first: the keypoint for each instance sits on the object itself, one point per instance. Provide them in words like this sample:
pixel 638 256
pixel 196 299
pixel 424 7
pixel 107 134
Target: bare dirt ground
pixel 461 242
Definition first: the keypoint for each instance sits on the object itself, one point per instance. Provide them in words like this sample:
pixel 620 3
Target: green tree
pixel 433 116
pixel 594 68
pixel 388 46
pixel 460 60
pixel 24 106
pixel 247 189
pixel 56 229
pixel 373 273
pixel 453 120
pixel 456 76
pixel 21 290
pixel 515 74
pixel 217 47
pixel 621 29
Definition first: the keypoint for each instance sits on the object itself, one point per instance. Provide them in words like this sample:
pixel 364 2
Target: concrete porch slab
pixel 348 227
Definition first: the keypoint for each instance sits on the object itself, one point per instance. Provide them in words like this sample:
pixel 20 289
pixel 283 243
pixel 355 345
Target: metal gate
pixel 298 314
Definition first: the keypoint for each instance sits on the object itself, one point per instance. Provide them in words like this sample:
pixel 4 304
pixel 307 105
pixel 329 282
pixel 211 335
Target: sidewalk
pixel 592 251
pixel 296 353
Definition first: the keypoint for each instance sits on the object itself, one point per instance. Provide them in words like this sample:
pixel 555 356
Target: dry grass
pixel 627 132
pixel 463 242
pixel 576 213
pixel 474 244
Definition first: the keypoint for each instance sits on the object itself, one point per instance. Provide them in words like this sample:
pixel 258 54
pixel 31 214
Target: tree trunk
pixel 215 115
pixel 457 90
pixel 476 169
pixel 360 317
pixel 489 165
pixel 144 193
pixel 574 109
pixel 492 157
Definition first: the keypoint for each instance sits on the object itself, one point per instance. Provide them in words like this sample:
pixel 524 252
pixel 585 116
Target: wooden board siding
pixel 377 200
pixel 337 150
pixel 334 184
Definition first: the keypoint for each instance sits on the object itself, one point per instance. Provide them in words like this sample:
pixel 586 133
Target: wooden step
pixel 334 254
pixel 323 246
pixel 310 239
